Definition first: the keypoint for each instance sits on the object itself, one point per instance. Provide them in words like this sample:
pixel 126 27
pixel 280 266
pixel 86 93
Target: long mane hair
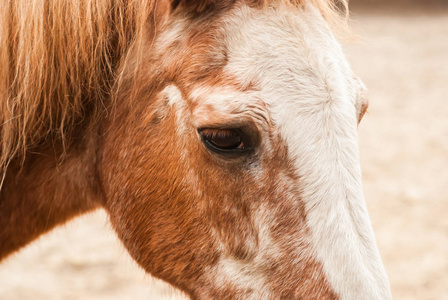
pixel 58 62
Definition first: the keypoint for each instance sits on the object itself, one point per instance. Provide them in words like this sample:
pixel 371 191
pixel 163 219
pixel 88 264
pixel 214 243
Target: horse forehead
pixel 287 58
pixel 290 53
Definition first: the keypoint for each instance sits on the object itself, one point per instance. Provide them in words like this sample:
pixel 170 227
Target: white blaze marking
pixel 304 79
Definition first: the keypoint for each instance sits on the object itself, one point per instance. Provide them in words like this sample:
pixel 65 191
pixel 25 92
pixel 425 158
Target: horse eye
pixel 223 140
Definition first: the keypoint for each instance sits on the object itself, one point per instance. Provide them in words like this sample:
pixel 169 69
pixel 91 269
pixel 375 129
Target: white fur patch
pixel 175 100
pixel 173 95
pixel 243 276
pixel 306 82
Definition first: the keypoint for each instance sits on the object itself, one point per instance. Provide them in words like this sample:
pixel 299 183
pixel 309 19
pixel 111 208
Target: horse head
pixel 229 160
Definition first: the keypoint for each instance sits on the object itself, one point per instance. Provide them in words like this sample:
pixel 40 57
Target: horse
pixel 219 136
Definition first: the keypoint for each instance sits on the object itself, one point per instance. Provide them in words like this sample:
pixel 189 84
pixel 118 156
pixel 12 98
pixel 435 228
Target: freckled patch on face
pixel 283 243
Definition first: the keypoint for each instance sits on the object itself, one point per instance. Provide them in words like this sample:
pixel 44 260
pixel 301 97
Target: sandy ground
pixel 404 148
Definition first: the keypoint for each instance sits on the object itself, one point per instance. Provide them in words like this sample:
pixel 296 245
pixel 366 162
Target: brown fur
pixel 57 82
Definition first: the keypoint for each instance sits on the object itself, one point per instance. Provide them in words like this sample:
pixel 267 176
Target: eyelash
pixel 230 142
pixel 218 133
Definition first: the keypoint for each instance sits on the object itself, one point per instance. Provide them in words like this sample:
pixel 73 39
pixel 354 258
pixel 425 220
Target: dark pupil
pixel 226 142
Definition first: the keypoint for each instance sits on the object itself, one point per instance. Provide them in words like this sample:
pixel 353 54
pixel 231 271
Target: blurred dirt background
pixel 402 56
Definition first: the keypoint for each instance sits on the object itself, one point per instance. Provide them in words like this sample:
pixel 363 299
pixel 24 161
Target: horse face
pixel 233 172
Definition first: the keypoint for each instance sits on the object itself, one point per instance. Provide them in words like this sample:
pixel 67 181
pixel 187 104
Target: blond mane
pixel 58 62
